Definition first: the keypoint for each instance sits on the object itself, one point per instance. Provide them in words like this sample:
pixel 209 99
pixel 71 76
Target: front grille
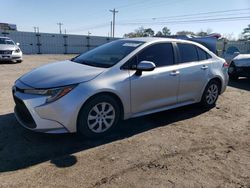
pixel 5 52
pixel 24 114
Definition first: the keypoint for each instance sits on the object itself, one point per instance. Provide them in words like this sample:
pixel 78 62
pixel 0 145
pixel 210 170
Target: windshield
pixel 6 41
pixel 109 54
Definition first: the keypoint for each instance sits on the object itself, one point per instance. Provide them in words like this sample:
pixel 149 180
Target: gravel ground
pixel 186 147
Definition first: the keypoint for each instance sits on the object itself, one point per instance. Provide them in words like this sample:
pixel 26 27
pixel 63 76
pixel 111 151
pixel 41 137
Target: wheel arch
pixel 217 79
pixel 112 94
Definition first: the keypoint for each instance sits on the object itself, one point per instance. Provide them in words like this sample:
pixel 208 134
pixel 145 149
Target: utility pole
pixel 111 29
pixel 114 12
pixel 65 32
pixel 60 27
pixel 36 29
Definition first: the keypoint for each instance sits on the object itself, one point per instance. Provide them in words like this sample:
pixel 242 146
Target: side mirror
pixel 18 44
pixel 144 66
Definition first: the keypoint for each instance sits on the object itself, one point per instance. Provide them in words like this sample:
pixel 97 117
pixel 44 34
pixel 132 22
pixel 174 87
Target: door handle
pixel 204 67
pixel 174 73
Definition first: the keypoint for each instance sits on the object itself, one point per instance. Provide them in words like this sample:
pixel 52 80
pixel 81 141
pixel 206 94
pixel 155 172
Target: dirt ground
pixel 186 147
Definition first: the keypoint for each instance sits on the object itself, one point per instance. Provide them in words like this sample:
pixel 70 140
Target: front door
pixel 158 88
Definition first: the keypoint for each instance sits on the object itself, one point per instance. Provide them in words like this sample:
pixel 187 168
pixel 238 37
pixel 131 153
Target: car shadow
pixel 8 62
pixel 242 83
pixel 20 148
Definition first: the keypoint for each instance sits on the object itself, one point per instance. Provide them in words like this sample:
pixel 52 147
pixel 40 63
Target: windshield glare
pixel 6 41
pixel 109 54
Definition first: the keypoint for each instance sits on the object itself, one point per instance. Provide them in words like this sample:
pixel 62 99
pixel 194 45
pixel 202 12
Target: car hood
pixel 60 74
pixel 7 47
pixel 242 60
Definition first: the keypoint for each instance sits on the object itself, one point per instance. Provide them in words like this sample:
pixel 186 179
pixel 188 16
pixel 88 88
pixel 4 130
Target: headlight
pixel 17 50
pixel 52 94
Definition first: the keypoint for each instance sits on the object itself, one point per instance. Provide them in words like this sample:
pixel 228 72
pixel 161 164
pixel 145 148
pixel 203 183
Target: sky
pixel 83 16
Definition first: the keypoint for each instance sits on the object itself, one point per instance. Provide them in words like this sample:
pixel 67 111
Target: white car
pixel 10 51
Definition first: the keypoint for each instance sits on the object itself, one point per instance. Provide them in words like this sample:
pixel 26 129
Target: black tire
pixel 83 122
pixel 204 100
pixel 19 61
pixel 232 72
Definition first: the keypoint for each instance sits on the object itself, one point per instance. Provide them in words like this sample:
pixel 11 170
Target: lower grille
pixel 5 52
pixel 24 114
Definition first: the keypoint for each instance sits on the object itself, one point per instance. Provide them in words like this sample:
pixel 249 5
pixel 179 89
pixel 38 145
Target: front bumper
pixel 11 57
pixel 27 116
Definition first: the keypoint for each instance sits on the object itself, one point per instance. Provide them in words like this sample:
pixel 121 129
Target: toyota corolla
pixel 123 79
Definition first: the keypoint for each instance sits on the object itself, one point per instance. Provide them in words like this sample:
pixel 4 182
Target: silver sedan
pixel 123 79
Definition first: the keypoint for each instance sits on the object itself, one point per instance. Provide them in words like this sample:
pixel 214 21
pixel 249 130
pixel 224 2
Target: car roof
pixel 157 39
pixel 4 37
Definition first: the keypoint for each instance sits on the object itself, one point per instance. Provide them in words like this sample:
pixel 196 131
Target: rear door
pixel 194 68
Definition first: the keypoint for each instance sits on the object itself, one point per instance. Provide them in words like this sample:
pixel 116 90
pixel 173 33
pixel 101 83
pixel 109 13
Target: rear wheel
pixel 98 117
pixel 211 94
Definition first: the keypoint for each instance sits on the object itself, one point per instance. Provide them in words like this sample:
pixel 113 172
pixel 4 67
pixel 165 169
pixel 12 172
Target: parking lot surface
pixel 185 147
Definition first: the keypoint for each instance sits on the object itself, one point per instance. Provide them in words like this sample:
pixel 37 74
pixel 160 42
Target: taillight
pixel 225 65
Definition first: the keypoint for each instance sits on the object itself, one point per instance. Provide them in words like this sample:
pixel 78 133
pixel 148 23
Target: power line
pixel 178 19
pixel 189 21
pixel 196 14
pixel 153 20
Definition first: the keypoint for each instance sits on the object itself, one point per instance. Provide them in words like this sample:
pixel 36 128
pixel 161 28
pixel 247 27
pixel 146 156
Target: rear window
pixel 188 53
pixel 202 54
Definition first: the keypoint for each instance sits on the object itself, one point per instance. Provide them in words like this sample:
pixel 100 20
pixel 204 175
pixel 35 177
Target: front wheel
pixel 232 72
pixel 98 117
pixel 211 94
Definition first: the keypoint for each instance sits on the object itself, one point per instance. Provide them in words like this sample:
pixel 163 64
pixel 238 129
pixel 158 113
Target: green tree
pixel 204 33
pixel 246 33
pixel 140 32
pixel 166 31
pixel 185 33
pixel 149 32
pixel 159 34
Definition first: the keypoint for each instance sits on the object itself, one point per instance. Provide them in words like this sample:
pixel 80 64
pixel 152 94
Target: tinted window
pixel 202 54
pixel 160 54
pixel 188 53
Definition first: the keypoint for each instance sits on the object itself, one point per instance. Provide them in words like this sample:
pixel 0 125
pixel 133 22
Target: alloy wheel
pixel 212 94
pixel 101 117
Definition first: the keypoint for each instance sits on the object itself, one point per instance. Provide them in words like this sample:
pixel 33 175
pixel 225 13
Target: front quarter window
pixel 109 54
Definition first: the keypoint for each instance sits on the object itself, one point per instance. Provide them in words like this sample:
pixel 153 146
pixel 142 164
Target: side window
pixel 202 54
pixel 161 54
pixel 188 53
